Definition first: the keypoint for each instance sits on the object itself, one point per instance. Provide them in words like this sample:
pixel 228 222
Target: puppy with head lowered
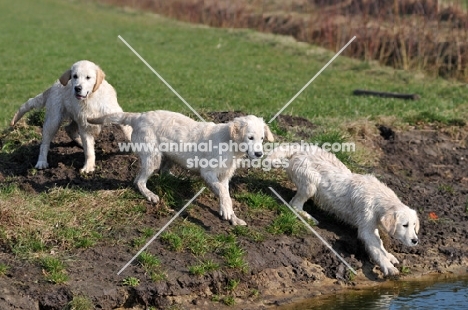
pixel 81 92
pixel 160 130
pixel 359 200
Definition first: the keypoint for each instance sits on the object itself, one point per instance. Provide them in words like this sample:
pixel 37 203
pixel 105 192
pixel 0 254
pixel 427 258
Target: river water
pixel 433 293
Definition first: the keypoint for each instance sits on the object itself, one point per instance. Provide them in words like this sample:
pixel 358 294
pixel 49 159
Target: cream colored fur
pixel 359 200
pixel 81 92
pixel 157 127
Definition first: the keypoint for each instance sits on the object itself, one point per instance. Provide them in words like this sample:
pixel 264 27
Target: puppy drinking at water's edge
pixel 359 200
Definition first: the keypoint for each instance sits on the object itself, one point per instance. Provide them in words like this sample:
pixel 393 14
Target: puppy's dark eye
pixel 250 138
pixel 88 77
pixel 75 76
pixel 262 138
pixel 406 225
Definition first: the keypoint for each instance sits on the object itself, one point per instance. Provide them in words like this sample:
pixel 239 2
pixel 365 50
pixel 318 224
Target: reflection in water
pixel 438 293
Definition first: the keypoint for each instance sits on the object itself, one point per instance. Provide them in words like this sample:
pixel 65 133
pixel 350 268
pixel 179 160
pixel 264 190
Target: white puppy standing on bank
pixel 158 128
pixel 359 200
pixel 81 92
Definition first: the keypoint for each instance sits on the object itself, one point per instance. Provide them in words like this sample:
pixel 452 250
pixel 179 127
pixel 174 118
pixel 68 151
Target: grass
pixel 203 267
pixel 189 237
pixel 252 72
pixel 54 270
pixel 286 223
pixel 131 281
pixel 152 266
pixel 80 303
pixel 3 269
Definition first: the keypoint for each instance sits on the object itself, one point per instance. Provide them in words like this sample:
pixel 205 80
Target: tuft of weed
pixel 80 303
pixel 152 266
pixel 148 261
pixel 3 269
pixel 286 223
pixel 188 236
pixel 54 270
pixel 249 233
pixel 203 267
pixel 234 256
pixel 257 202
pixel 131 281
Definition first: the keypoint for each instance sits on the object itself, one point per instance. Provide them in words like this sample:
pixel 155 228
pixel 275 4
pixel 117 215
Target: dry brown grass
pixel 416 34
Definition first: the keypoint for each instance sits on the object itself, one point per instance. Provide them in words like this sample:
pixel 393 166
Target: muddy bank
pixel 425 167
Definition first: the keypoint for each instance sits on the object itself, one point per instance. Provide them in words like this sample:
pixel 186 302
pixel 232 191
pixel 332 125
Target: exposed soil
pixel 426 168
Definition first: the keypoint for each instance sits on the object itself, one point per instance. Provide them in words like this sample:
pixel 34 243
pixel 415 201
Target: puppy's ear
pixel 416 228
pixel 389 222
pixel 268 134
pixel 99 78
pixel 66 76
pixel 235 130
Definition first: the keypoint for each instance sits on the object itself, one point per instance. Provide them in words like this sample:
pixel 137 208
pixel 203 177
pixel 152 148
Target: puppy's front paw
pixel 86 170
pixel 389 270
pixel 392 259
pixel 153 198
pixel 237 221
pixel 42 165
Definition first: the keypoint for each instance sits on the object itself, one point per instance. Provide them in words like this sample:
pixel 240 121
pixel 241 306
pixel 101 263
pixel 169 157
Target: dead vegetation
pixel 410 34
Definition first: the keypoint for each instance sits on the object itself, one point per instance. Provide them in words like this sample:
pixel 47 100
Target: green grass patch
pixel 80 303
pixel 188 236
pixel 203 267
pixel 152 266
pixel 131 281
pixel 54 270
pixel 286 223
pixel 3 269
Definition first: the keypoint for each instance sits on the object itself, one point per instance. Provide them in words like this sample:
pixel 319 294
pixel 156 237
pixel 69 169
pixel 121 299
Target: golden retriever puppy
pixel 359 200
pixel 81 92
pixel 210 149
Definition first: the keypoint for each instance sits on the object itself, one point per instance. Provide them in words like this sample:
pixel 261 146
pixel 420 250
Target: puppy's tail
pixel 120 118
pixel 37 102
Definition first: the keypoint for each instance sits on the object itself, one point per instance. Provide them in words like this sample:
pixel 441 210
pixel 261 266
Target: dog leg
pixel 49 129
pixel 298 201
pixel 390 256
pixel 127 130
pixel 88 148
pixel 72 131
pixel 373 242
pixel 221 189
pixel 149 162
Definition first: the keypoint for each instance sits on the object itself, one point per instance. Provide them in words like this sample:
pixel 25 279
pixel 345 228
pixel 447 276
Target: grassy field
pixel 214 70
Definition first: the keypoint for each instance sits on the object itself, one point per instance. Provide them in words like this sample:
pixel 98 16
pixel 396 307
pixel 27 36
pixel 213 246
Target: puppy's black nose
pixel 414 241
pixel 78 89
pixel 258 154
